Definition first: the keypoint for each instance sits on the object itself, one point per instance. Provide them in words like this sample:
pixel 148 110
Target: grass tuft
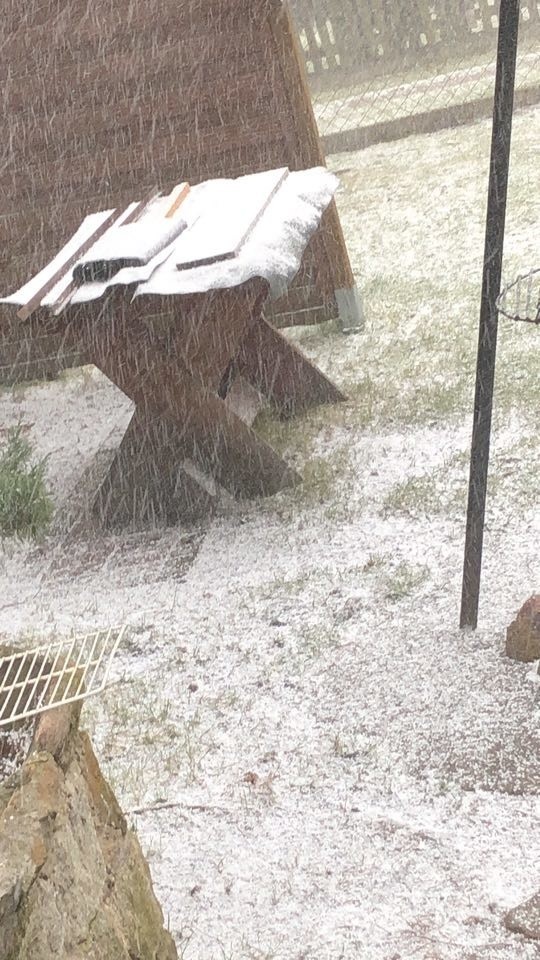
pixel 25 504
pixel 403 581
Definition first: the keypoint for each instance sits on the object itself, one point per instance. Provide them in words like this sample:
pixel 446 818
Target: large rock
pixel 74 884
pixel 523 634
pixel 525 919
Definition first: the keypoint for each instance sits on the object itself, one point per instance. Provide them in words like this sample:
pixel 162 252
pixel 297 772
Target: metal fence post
pixel 491 282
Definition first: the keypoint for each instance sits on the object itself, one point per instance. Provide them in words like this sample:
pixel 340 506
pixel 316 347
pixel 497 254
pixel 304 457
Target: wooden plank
pixel 179 194
pixel 147 481
pixel 223 229
pixel 24 312
pixel 141 206
pixel 132 217
pixel 275 367
pixel 210 435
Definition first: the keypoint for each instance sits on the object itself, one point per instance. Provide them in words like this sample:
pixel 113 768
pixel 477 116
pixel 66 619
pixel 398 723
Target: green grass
pixel 440 492
pixel 443 491
pixel 513 476
pixel 413 368
pixel 414 365
pixel 413 495
pixel 326 476
pixel 25 504
pixel 135 723
pixel 404 581
pixel 517 386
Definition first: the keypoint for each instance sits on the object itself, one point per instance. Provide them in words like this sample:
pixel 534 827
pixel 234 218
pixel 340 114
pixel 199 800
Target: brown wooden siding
pixel 103 99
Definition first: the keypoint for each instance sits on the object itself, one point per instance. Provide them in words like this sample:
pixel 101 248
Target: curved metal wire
pixel 520 300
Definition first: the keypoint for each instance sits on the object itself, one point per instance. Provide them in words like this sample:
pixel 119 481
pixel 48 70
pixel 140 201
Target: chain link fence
pixel 380 69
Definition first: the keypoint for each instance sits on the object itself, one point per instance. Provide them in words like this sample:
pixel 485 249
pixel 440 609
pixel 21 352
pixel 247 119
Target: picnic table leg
pixel 281 372
pixel 177 420
pixel 148 481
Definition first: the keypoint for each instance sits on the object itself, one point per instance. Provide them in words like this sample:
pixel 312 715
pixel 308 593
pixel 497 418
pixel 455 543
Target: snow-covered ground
pixel 318 762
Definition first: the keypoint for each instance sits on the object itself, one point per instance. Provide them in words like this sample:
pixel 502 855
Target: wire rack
pixel 520 300
pixel 55 674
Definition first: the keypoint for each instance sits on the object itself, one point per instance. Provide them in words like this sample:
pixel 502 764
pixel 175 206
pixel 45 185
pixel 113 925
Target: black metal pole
pixel 491 283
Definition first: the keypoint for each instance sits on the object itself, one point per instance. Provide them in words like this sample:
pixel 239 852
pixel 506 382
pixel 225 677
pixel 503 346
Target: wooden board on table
pixel 177 198
pixel 63 272
pixel 35 301
pixel 221 230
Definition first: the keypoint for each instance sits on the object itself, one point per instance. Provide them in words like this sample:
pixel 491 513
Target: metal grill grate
pixel 32 681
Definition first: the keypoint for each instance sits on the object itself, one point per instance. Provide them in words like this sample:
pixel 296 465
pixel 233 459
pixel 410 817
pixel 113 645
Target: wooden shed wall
pixel 102 100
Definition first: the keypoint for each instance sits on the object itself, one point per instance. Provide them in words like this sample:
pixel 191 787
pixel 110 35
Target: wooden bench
pixel 162 354
pixel 188 336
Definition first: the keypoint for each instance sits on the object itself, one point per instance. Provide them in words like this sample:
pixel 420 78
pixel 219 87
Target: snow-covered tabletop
pixel 273 251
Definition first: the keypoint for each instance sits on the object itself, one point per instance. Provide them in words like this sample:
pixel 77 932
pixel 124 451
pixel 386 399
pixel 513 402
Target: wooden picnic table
pixel 183 333
pixel 177 359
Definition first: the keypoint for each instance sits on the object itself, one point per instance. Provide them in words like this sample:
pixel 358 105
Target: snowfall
pixel 317 761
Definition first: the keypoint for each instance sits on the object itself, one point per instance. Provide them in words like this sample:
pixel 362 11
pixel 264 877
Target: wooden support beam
pixel 208 433
pixel 275 367
pixel 204 331
pixel 147 481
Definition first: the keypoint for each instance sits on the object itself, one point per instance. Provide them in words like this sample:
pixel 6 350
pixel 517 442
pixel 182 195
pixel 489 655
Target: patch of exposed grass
pixel 408 368
pixel 374 562
pixel 26 507
pixel 310 643
pixel 403 581
pixel 133 719
pixel 442 491
pixel 414 369
pixel 315 640
pixel 319 476
pixel 325 475
pixel 413 366
pixel 412 495
pixel 293 437
pixel 404 400
pixel 513 477
pixel 517 386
